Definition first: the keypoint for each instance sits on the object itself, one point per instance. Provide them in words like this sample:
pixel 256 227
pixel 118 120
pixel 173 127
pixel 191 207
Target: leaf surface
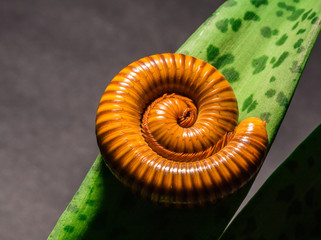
pixel 261 46
pixel 288 205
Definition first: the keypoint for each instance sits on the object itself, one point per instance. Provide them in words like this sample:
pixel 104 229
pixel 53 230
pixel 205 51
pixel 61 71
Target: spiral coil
pixel 166 127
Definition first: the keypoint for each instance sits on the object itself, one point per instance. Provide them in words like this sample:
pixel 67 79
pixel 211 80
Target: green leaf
pixel 259 49
pixel 104 209
pixel 288 205
pixel 267 53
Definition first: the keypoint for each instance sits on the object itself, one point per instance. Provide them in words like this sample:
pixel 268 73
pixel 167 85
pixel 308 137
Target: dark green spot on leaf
pixel 252 106
pixel 90 202
pixel 265 116
pixel 247 102
pixel 296 68
pixel 272 60
pixel 258 3
pixel 266 32
pixel 314 20
pixel 282 5
pixel 236 24
pixel 279 13
pixel 295 25
pixel 224 60
pixel 312 15
pixel 282 40
pixel 222 25
pixel 270 93
pixel 286 7
pixel 295 15
pixel 231 74
pixel 298 43
pixel 272 79
pixel 275 32
pixel 300 49
pixel 304 16
pixel 251 16
pixel 300 31
pixel 82 217
pixel 69 229
pixel 212 52
pixel 282 99
pixel 259 64
pixel 280 60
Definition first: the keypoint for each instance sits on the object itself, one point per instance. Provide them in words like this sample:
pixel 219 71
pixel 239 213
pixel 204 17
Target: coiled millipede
pixel 166 127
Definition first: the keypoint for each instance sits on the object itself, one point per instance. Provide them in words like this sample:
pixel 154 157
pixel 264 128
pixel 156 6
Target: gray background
pixel 56 58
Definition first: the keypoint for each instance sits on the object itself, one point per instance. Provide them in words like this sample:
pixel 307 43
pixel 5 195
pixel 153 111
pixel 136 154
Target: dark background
pixel 56 58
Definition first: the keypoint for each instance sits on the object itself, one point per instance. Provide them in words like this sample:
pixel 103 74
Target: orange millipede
pixel 166 127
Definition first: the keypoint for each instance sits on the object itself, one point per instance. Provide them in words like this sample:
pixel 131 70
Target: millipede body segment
pixel 167 127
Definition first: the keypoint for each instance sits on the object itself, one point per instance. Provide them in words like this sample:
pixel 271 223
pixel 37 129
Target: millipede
pixel 166 127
